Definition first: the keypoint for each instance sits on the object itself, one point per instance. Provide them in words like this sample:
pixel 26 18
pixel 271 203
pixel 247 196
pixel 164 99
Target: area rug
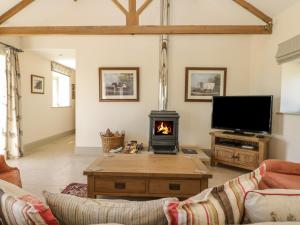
pixel 77 189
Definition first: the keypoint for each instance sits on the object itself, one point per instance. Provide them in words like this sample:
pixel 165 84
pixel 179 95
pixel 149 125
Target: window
pixel 3 101
pixel 60 90
pixel 290 86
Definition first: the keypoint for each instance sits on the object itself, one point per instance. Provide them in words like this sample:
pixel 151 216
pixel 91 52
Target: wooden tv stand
pixel 230 149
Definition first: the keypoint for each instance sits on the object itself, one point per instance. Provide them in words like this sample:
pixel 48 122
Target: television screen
pixel 243 113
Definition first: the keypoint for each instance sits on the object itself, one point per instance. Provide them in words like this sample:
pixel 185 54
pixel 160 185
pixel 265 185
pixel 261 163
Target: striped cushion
pixel 219 205
pixel 17 207
pixel 72 210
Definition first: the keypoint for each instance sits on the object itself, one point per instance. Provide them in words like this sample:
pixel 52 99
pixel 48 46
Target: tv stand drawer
pixel 233 156
pixel 247 158
pixel 224 154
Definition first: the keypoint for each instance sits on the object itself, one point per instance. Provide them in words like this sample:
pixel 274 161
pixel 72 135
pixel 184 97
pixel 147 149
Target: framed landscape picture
pixel 119 84
pixel 202 83
pixel 37 84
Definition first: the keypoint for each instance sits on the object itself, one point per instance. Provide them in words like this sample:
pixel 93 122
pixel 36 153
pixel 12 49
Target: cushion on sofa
pixel 83 211
pixel 19 207
pixel 219 205
pixel 273 205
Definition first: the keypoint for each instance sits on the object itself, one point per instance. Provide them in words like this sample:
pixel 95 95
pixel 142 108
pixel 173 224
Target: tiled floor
pixel 53 166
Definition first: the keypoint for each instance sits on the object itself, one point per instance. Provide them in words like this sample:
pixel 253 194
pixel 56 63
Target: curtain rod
pixel 9 46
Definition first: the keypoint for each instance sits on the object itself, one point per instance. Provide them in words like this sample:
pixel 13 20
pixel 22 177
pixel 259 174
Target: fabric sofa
pixel 72 210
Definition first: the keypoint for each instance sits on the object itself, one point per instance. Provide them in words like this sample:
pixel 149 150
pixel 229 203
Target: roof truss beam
pixel 14 10
pixel 143 7
pixel 130 30
pixel 255 11
pixel 132 24
pixel 132 14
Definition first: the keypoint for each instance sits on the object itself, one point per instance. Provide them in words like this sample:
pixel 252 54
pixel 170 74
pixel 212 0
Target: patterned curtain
pixel 13 129
pixel 3 101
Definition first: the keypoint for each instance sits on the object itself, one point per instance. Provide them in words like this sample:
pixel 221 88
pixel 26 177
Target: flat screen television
pixel 243 113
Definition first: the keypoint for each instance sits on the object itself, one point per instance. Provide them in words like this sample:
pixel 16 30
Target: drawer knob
pixel 120 186
pixel 174 187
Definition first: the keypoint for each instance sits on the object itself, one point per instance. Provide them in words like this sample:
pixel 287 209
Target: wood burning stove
pixel 163 135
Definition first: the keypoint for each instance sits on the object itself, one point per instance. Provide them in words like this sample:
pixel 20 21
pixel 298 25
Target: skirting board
pixel 28 147
pixel 87 150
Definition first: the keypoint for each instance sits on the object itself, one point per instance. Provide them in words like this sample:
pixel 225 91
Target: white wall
pixel 231 51
pixel 205 51
pixel 10 40
pixel 39 119
pixel 143 51
pixel 265 78
pixel 251 65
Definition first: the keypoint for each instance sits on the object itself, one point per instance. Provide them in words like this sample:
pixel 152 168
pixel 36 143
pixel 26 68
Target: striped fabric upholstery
pixel 72 210
pixel 215 206
pixel 17 207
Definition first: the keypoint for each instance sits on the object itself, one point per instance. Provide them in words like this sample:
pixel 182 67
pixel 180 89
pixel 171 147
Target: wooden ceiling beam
pixel 120 6
pixel 132 18
pixel 132 21
pixel 14 10
pixel 143 7
pixel 132 14
pixel 255 11
pixel 139 30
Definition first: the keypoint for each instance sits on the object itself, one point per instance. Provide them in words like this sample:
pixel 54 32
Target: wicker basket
pixel 113 142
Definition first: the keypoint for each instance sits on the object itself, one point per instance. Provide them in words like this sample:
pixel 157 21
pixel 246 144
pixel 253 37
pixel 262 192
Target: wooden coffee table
pixel 147 175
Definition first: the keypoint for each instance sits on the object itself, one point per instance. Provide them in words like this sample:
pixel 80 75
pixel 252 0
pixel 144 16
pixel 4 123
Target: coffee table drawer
pixel 184 187
pixel 120 185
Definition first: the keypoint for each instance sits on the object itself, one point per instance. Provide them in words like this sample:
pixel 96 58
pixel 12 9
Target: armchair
pixel 9 174
pixel 280 175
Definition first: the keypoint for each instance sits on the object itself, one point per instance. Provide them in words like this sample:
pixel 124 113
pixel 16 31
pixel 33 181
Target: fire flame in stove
pixel 164 129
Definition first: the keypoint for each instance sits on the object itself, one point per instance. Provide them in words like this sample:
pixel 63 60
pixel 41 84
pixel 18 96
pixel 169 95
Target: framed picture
pixel 37 84
pixel 202 83
pixel 119 84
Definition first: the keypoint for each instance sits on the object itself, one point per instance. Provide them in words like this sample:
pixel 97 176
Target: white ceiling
pixel 66 57
pixel 100 12
pixel 272 7
pixel 7 4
